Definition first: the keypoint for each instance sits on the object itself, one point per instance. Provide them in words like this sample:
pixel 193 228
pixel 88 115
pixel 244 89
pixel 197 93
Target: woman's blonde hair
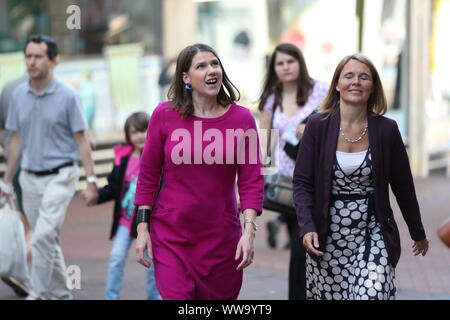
pixel 377 101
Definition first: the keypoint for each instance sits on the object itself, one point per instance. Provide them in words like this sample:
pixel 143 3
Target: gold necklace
pixel 355 140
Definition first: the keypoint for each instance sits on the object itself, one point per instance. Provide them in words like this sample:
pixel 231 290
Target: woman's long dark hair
pixel 272 84
pixel 181 98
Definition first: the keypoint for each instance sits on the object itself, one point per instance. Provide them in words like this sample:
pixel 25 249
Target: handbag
pixel 278 193
pixel 444 232
pixel 278 188
pixel 13 247
pixel 292 150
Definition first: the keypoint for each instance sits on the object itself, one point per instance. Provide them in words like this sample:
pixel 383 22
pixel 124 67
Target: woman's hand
pixel 246 248
pixel 143 243
pixel 420 247
pixel 245 245
pixel 311 242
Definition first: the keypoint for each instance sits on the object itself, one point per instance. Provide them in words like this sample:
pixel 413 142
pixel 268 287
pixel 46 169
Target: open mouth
pixel 211 81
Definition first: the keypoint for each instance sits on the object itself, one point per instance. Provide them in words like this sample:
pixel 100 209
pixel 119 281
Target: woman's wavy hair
pixel 273 85
pixel 376 105
pixel 181 98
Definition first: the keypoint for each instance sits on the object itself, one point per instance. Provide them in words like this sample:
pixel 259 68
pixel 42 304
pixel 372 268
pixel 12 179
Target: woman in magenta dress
pixel 202 143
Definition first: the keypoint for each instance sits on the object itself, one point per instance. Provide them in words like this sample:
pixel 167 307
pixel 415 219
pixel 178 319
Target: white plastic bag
pixel 12 239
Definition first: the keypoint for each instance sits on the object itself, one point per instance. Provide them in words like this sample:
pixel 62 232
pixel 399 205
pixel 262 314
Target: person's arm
pixel 143 241
pixel 151 162
pixel 250 181
pixel 91 139
pixel 110 191
pixel 88 164
pixel 402 185
pixel 14 149
pixel 85 152
pixel 251 193
pixel 246 243
pixel 304 189
pixel 14 152
pixel 303 181
pixel 148 185
pixel 3 109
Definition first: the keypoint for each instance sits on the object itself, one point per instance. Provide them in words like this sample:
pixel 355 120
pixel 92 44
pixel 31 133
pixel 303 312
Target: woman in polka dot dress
pixel 349 156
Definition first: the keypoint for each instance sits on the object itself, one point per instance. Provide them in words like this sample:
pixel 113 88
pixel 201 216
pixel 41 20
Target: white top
pixel 284 123
pixel 349 162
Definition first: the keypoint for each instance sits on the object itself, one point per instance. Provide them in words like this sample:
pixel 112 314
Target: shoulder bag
pixel 278 188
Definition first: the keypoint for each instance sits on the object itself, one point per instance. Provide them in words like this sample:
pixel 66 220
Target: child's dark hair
pixel 139 120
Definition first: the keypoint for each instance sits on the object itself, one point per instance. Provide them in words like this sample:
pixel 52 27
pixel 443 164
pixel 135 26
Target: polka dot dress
pixel 355 264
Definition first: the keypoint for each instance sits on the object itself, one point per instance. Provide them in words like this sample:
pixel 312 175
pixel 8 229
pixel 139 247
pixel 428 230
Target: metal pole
pixel 419 18
pixel 179 25
pixel 360 14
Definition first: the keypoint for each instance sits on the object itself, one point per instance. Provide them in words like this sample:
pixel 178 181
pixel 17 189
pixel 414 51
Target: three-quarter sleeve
pixel 304 181
pixel 402 185
pixel 152 159
pixel 250 179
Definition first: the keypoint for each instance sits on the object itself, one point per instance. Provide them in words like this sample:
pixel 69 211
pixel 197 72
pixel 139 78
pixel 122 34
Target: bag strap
pixel 269 140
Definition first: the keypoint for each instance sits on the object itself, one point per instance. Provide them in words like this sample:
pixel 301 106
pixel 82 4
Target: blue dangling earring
pixel 188 87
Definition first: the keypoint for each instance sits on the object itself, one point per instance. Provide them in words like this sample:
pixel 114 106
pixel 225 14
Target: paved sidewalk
pixel 85 244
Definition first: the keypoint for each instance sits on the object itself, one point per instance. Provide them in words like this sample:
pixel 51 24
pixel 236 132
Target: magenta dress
pixel 195 225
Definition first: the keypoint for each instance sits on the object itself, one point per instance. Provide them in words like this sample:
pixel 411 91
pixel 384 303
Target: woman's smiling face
pixel 355 83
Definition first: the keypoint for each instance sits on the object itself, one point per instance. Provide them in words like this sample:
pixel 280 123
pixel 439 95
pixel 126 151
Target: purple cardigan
pixel 313 175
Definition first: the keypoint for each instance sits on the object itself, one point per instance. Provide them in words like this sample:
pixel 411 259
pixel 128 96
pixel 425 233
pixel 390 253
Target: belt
pixel 370 212
pixel 51 171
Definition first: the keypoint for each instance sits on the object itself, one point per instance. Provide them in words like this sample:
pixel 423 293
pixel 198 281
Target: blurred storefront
pixel 438 99
pixel 104 22
pixel 406 39
pixel 239 31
